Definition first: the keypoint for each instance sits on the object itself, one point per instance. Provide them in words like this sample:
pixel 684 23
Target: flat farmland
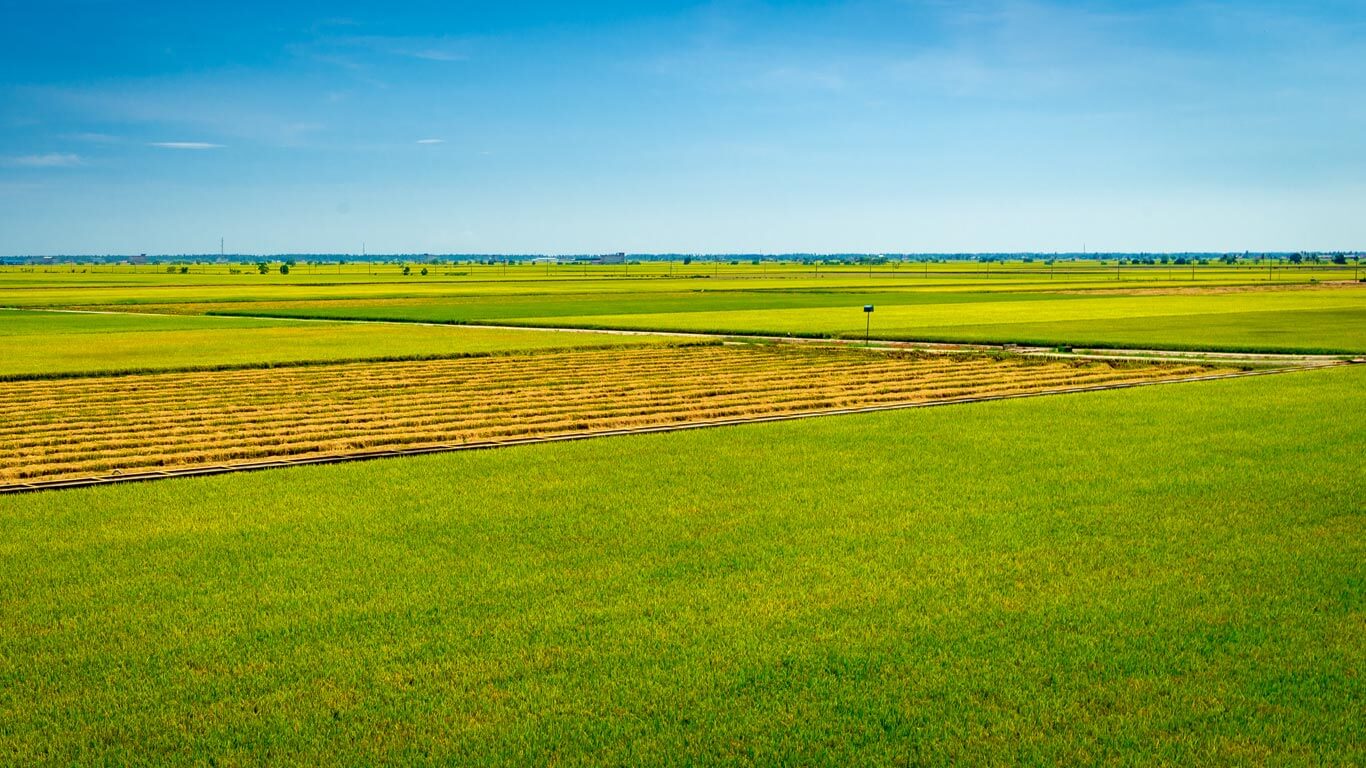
pixel 1168 575
pixel 1230 308
pixel 40 343
pixel 1278 319
pixel 1318 320
pixel 1151 575
pixel 111 425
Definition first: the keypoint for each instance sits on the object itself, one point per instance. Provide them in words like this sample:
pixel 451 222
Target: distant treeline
pixel 1171 257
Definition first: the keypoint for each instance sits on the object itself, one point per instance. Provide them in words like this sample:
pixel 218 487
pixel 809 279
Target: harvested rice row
pixel 297 418
pixel 231 403
pixel 165 396
pixel 545 423
pixel 336 445
pixel 356 372
pixel 198 422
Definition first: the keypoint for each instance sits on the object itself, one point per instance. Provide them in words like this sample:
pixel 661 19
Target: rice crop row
pixel 97 426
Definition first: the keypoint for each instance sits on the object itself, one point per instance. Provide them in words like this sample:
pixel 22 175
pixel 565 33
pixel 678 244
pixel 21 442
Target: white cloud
pixel 431 141
pixel 185 145
pixel 49 160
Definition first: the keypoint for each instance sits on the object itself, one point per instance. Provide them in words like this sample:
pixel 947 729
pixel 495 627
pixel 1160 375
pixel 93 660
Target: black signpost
pixel 868 323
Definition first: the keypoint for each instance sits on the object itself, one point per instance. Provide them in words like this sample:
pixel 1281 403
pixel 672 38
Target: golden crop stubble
pixel 87 427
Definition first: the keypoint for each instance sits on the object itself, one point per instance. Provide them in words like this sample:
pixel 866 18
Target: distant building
pixel 610 258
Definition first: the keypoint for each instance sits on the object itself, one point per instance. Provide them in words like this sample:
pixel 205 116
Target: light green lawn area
pixel 1173 575
pixel 1307 320
pixel 61 343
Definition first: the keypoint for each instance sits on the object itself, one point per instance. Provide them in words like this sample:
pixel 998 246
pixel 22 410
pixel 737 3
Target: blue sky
pixel 885 125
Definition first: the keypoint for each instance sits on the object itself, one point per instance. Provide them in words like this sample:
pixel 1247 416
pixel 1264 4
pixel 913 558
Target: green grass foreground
pixel 1174 574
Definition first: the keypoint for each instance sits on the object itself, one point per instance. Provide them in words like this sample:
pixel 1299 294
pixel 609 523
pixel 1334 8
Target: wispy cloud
pixel 431 141
pixel 357 52
pixel 266 109
pixel 49 160
pixel 184 145
pixel 93 138
pixel 431 54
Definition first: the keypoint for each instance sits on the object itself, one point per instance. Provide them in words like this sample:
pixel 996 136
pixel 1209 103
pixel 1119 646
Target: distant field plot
pixel 1321 320
pixel 129 286
pixel 577 306
pixel 1163 576
pixel 48 343
pixel 1303 319
pixel 91 427
pixel 1339 330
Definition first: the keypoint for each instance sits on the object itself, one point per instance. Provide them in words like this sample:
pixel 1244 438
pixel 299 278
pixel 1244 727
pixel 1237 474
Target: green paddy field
pixel 1318 309
pixel 40 342
pixel 1165 575
pixel 1168 575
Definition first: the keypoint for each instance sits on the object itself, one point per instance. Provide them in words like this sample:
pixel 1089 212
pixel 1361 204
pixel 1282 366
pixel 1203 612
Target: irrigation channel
pixel 99 430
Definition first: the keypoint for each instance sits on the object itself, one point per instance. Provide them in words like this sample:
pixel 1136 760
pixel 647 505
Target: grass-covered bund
pixel 1172 575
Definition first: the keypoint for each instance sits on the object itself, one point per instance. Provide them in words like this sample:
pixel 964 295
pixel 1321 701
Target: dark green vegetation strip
pixel 1169 575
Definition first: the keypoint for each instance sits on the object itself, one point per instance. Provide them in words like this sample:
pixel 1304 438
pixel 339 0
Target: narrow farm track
pixel 111 427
